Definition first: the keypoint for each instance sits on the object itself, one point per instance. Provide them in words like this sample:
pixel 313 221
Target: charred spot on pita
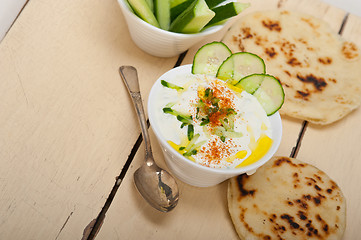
pixel 272 25
pixel 246 32
pixel 317 187
pixel 301 94
pixel 302 204
pixel 289 74
pixel 317 200
pixel 244 192
pixel 294 62
pixel 302 215
pixel 310 23
pixel 282 160
pixel 307 197
pixel 318 82
pixel 325 60
pixel 349 50
pixel 271 52
pixel 290 220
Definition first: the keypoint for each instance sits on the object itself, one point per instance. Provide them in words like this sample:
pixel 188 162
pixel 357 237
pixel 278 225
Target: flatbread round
pixel 319 71
pixel 286 199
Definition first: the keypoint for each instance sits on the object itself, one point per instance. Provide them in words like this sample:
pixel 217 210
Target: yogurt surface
pixel 211 122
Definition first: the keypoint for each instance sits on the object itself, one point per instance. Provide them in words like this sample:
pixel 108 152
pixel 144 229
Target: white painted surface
pixel 351 6
pixel 9 9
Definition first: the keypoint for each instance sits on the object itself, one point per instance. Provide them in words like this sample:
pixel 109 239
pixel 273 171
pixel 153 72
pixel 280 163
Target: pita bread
pixel 319 71
pixel 286 199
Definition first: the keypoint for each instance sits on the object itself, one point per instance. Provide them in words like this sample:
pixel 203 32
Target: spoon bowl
pixel 155 184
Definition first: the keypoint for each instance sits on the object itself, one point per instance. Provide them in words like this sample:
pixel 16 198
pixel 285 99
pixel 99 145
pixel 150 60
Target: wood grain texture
pixel 67 127
pixel 67 124
pixel 202 212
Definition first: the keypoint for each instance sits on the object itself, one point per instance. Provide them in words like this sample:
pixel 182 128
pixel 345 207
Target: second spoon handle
pixel 130 77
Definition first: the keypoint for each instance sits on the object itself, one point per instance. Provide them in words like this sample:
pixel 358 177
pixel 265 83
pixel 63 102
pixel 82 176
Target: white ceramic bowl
pixel 159 42
pixel 191 172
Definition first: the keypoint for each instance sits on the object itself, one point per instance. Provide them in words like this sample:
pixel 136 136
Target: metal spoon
pixel 155 184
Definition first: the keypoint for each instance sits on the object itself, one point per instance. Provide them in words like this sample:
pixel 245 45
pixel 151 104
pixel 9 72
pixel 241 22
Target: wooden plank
pixel 202 212
pixel 335 149
pixel 66 124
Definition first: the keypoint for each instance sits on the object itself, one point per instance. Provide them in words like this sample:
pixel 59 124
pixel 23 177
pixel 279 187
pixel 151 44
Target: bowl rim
pixel 206 32
pixel 275 122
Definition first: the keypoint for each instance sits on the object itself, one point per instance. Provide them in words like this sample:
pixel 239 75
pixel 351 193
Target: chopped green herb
pixel 231 111
pixel 185 119
pixel 215 101
pixel 223 138
pixel 214 109
pixel 218 131
pixel 192 142
pixel 199 144
pixel 232 134
pixel 181 148
pixel 190 153
pixel 169 105
pixel 170 85
pixel 190 132
pixel 207 92
pixel 204 121
pixel 168 110
pixel 226 125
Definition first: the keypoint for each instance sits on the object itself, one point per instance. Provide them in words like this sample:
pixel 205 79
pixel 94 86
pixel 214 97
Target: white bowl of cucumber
pixel 169 28
pixel 211 129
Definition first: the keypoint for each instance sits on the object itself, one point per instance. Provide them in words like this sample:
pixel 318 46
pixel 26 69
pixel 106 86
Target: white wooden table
pixel 69 138
pixel 9 10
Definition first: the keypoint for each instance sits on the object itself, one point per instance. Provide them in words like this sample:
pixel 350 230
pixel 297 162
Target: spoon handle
pixel 130 78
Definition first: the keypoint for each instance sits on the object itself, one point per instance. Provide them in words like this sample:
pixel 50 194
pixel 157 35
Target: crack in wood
pixel 180 59
pixel 296 148
pixel 94 226
pixel 100 219
pixel 61 229
pixel 343 24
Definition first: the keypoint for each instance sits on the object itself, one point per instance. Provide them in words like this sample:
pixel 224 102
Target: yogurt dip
pixel 211 122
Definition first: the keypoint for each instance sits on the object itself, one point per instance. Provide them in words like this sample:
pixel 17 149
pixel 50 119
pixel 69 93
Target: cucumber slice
pixel 193 19
pixel 212 3
pixel 239 65
pixel 270 94
pixel 227 11
pixel 150 4
pixel 251 82
pixel 178 9
pixel 174 3
pixel 170 85
pixel 142 10
pixel 225 71
pixel 209 57
pixel 162 13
